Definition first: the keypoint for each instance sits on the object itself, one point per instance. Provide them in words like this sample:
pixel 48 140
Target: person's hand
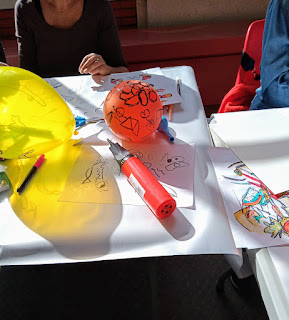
pixel 94 64
pixel 2 64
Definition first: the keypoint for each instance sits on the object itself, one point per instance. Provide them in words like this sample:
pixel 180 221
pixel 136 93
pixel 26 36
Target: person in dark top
pixel 2 55
pixel 274 68
pixel 68 37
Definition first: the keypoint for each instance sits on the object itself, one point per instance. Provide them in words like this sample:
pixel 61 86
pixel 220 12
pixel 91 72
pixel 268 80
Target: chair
pixel 248 78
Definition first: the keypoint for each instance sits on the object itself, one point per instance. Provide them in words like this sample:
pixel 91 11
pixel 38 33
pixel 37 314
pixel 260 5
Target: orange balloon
pixel 133 110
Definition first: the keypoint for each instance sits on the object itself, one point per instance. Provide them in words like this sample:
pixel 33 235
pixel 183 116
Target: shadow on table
pixel 77 230
pixel 178 226
pixel 82 231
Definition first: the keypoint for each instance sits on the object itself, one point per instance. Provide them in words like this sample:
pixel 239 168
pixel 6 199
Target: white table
pixel 138 233
pixel 270 265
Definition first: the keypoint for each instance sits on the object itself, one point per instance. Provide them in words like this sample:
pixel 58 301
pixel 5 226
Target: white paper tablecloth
pixel 135 231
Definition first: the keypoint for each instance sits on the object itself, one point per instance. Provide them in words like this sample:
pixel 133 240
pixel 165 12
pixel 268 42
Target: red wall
pixel 7 29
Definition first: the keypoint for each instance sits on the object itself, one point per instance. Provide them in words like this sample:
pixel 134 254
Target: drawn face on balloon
pixel 133 110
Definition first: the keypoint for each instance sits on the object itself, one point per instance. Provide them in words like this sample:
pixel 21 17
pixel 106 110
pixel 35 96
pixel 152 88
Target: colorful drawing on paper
pixel 260 210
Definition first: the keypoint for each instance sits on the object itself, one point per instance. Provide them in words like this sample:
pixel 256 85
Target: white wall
pixel 157 13
pixel 154 13
pixel 7 4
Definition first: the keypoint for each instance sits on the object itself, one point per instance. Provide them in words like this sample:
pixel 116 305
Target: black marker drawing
pixel 96 174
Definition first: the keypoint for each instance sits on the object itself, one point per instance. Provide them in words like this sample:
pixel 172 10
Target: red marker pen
pixel 30 174
pixel 144 182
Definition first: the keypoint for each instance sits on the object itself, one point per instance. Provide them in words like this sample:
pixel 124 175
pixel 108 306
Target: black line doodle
pixel 145 113
pixel 153 169
pixel 150 124
pixel 54 83
pixel 174 162
pixel 27 153
pixel 28 92
pixel 67 98
pixel 137 92
pixel 171 191
pixel 98 170
pixel 136 153
pixel 161 171
pixel 16 128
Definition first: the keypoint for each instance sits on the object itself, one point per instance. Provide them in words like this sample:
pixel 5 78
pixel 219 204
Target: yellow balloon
pixel 33 117
pixel 78 230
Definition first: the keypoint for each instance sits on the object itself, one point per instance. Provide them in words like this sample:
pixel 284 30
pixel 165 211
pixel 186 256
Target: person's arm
pixel 26 44
pixel 111 59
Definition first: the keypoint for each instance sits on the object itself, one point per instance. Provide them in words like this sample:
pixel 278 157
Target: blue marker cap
pixel 164 128
pixel 79 121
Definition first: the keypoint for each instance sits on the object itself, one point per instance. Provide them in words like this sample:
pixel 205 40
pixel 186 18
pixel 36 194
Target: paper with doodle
pixel 96 176
pixel 258 218
pixel 91 178
pixel 69 89
pixel 165 87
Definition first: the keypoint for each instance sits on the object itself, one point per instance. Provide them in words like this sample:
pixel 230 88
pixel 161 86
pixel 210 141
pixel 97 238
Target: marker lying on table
pixel 80 121
pixel 164 128
pixel 30 174
pixel 143 181
pixel 179 81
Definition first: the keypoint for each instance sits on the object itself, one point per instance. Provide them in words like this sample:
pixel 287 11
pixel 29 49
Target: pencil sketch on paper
pixel 91 179
pixel 167 163
pixel 261 211
pixel 95 174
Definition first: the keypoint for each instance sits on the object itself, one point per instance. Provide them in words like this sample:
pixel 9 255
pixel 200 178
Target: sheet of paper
pixel 96 176
pixel 257 217
pixel 66 232
pixel 88 104
pixel 260 139
pixel 67 87
pixel 165 87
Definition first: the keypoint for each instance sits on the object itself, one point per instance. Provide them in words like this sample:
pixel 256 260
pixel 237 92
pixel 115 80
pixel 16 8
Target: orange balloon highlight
pixel 133 110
